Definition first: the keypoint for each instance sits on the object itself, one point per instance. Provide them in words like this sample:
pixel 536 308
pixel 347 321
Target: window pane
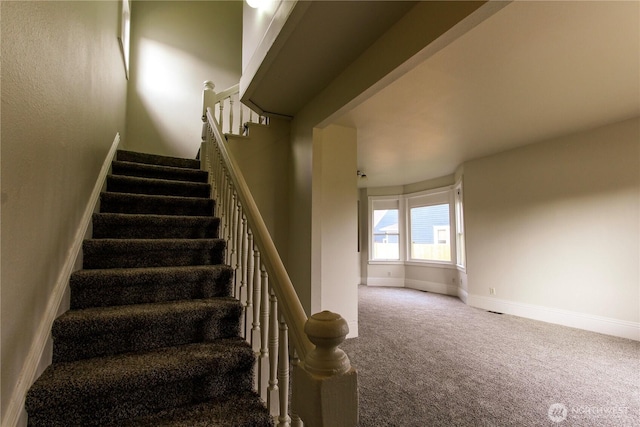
pixel 386 240
pixel 431 233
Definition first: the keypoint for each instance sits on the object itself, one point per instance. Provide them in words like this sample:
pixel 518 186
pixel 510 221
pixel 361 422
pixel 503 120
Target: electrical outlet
pixel 492 291
pixel 388 274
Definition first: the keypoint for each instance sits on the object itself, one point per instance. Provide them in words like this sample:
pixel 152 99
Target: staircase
pixel 153 334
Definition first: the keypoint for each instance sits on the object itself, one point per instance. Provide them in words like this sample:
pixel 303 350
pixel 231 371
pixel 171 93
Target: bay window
pixel 425 227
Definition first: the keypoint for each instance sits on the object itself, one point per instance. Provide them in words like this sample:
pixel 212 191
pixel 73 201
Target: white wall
pixel 175 47
pixel 334 266
pixel 554 228
pixel 63 101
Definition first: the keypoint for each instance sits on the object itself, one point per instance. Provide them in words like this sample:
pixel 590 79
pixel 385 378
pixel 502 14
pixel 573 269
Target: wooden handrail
pixel 289 304
pixel 227 93
pixel 325 385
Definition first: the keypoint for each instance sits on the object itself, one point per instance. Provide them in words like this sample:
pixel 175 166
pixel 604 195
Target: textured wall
pixel 63 101
pixel 175 47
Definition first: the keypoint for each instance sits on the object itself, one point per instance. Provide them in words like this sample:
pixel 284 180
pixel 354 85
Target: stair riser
pixel 118 184
pixel 90 410
pixel 158 335
pixel 119 203
pixel 152 159
pixel 132 231
pixel 122 256
pixel 148 171
pixel 147 293
pixel 101 288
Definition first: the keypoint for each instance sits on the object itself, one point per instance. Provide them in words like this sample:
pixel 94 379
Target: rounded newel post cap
pixel 208 85
pixel 327 331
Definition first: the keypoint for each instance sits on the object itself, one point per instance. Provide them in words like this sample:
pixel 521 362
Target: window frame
pixel 404 203
pixel 382 203
pixel 460 236
pixel 435 197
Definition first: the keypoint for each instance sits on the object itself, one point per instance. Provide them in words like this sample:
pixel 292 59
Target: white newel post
pixel 325 384
pixel 208 94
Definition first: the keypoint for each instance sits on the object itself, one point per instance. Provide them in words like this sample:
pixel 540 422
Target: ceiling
pixel 530 72
pixel 321 40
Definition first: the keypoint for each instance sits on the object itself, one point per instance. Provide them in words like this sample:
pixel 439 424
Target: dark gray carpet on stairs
pixel 153 335
pixel 426 359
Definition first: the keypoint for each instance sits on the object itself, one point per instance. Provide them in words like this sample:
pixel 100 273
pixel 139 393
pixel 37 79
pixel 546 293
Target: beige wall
pixel 334 268
pixel 556 225
pixel 263 160
pixel 63 101
pixel 175 47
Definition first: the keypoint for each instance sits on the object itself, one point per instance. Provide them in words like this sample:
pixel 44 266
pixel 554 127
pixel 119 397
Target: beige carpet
pixel 426 359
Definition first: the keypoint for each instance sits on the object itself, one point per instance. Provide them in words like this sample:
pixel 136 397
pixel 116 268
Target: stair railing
pixel 324 384
pixel 227 107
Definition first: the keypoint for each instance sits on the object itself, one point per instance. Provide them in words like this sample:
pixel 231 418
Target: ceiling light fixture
pixel 257 4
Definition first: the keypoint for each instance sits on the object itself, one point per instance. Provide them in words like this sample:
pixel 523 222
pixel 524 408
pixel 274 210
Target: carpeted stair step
pixel 137 226
pixel 144 170
pixel 104 331
pixel 243 410
pixel 158 205
pixel 154 186
pixel 140 253
pixel 121 286
pixel 154 159
pixel 103 391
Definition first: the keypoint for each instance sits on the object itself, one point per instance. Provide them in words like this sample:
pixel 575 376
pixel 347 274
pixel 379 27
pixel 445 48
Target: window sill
pixel 413 263
pixel 385 262
pixel 431 264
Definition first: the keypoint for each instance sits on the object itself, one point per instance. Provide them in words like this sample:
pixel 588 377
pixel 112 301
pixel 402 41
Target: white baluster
pixel 241 122
pixel 272 392
pixel 235 226
pixel 229 224
pixel 221 119
pixel 248 306
pixel 283 375
pixel 242 257
pixel 295 418
pixel 257 293
pixel 263 362
pixel 230 114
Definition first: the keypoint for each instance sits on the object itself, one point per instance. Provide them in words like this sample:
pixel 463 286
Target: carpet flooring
pixel 153 335
pixel 426 359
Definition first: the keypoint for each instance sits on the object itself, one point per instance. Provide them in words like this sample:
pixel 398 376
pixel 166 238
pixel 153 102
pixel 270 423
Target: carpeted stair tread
pixel 153 334
pixel 132 226
pixel 125 253
pixel 155 159
pixel 93 332
pixel 153 204
pixel 243 410
pixel 157 171
pixel 155 186
pixel 120 286
pixel 68 384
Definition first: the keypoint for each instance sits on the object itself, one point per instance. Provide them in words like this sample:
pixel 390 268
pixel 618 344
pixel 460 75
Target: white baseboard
pixel 392 282
pixel 34 359
pixel 463 295
pixel 435 287
pixel 600 324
